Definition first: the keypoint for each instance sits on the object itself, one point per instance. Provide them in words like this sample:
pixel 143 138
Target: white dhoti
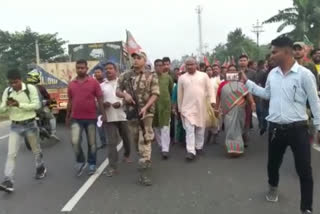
pixel 162 137
pixel 194 136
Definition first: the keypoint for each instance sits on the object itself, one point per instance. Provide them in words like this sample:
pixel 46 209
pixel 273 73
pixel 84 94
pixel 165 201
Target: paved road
pixel 212 184
pixel 4 130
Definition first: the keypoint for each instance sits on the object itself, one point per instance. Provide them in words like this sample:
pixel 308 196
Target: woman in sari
pixel 232 97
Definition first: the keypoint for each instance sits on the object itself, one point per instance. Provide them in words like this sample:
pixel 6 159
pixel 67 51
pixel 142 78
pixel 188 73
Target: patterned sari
pixel 232 101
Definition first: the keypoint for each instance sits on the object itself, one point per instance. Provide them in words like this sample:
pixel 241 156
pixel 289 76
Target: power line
pixel 258 29
pixel 37 52
pixel 199 11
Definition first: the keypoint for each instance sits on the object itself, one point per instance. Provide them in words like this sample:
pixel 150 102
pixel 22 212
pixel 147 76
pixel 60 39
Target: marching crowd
pixel 187 106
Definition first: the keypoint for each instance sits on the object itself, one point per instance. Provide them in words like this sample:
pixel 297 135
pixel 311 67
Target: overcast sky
pixel 162 28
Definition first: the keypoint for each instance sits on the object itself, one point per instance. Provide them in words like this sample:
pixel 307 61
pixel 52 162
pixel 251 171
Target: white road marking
pixel 4 137
pixel 86 186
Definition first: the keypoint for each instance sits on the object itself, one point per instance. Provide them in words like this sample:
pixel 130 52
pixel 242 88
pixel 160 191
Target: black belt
pixel 290 125
pixel 23 121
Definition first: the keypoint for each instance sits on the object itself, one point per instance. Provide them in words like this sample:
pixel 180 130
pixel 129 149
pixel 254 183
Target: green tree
pixel 17 50
pixel 304 16
pixel 238 43
pixel 3 84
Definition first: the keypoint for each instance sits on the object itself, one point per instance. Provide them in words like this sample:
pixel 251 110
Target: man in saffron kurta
pixel 193 89
pixel 161 121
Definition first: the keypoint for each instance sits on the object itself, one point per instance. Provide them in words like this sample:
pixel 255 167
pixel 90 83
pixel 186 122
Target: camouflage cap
pixel 140 53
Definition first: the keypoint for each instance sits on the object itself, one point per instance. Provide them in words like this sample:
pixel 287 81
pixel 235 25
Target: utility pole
pixel 205 48
pixel 37 52
pixel 258 29
pixel 199 11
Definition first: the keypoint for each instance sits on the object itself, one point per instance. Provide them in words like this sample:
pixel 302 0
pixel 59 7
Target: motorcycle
pixel 43 123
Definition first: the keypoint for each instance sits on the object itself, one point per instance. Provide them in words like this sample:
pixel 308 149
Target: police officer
pixel 140 91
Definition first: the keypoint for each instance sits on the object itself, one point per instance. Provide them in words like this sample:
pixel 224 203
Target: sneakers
pixel 272 195
pixel 80 167
pixel 92 169
pixel 7 186
pixel 41 173
pixel 306 212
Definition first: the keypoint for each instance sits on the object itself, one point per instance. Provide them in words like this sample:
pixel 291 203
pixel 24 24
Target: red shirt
pixel 83 98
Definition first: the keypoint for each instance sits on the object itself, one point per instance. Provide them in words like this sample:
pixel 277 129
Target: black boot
pixel 145 174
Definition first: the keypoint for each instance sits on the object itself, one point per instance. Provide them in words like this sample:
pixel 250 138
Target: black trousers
pixel 172 126
pixel 298 140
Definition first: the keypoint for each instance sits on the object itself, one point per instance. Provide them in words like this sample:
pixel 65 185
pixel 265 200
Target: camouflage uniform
pixel 144 85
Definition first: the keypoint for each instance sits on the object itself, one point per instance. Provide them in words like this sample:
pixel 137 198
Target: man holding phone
pixel 21 101
pixel 288 87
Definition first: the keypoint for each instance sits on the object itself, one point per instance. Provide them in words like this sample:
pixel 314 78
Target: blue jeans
pixel 19 132
pixel 77 128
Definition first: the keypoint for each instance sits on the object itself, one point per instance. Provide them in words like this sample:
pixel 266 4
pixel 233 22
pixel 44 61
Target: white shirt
pixel 109 95
pixel 288 95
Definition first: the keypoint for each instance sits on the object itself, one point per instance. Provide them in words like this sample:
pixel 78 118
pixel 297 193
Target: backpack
pixel 26 91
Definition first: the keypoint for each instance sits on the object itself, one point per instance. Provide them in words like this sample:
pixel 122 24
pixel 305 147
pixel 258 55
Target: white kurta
pixel 193 90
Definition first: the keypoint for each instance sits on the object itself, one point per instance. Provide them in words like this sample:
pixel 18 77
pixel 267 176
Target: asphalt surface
pixel 211 184
pixel 4 130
